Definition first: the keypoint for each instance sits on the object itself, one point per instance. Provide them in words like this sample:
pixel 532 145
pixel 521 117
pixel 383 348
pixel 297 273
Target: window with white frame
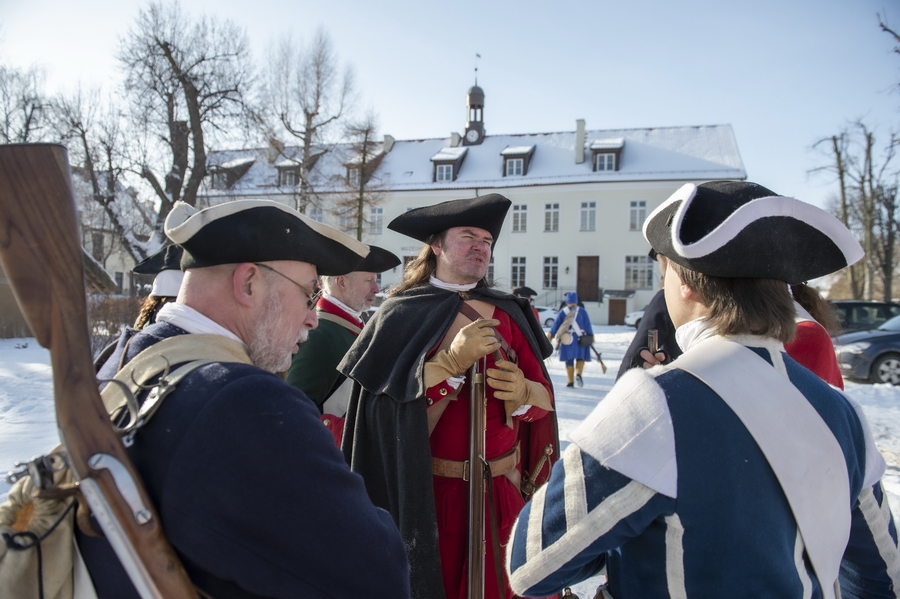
pixel 514 166
pixel 637 214
pixel 520 218
pixel 517 271
pixel 288 177
pixel 353 177
pixel 444 172
pixel 638 272
pixel 346 219
pixel 376 221
pixel 588 216
pixel 551 272
pixel 551 217
pixel 317 214
pixel 604 162
pixel 219 180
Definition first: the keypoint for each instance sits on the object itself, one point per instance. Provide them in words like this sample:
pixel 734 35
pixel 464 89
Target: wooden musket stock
pixel 41 256
pixel 477 473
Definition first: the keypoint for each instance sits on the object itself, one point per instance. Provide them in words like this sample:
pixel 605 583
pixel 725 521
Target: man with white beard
pixel 252 493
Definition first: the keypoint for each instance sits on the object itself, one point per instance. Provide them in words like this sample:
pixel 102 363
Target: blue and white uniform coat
pixel 665 487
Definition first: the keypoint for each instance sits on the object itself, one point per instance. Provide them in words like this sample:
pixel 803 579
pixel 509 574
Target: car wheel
pixel 886 369
pixel 637 323
pixel 549 322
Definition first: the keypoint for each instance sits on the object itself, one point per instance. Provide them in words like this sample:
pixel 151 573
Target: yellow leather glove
pixel 511 386
pixel 473 341
pixel 549 336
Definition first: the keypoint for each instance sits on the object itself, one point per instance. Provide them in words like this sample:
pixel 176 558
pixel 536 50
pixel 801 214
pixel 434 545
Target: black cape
pixel 386 432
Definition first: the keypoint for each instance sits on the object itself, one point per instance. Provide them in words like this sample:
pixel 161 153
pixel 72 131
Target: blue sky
pixel 783 74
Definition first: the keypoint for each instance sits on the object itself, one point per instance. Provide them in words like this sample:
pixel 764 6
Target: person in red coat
pixel 408 425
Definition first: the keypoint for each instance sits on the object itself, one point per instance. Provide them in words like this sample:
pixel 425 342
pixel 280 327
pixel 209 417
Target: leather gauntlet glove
pixel 511 386
pixel 473 341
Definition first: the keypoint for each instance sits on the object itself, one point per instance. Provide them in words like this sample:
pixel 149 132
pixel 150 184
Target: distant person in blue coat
pixel 571 325
pixel 733 471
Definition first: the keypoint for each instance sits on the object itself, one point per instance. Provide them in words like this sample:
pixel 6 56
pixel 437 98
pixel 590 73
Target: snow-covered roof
pixel 237 162
pixel 516 150
pixel 608 144
pixel 651 154
pixel 449 153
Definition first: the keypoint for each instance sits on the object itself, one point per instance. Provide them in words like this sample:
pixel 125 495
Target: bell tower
pixel 475 117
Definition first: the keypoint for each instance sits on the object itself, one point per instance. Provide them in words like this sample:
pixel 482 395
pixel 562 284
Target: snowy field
pixel 28 427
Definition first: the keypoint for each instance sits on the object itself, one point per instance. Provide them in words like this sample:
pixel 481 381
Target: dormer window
pixel 353 176
pixel 516 160
pixel 288 173
pixel 607 154
pixel 447 163
pixel 223 176
pixel 514 166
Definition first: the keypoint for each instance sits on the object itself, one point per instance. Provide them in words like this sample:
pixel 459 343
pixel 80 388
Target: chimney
pixel 388 143
pixel 275 149
pixel 454 139
pixel 579 141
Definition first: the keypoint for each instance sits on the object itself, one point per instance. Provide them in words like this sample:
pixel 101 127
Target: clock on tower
pixel 475 116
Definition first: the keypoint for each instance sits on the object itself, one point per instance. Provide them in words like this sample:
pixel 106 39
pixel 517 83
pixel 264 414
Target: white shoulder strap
pixel 799 446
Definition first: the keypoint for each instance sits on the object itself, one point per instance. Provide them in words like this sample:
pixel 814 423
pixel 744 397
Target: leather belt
pixel 454 469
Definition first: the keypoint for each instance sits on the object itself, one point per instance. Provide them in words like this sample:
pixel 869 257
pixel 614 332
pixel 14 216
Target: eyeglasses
pixel 311 296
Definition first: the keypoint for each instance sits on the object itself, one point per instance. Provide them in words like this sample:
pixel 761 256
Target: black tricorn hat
pixel 260 231
pixel 168 258
pixel 378 260
pixel 524 291
pixel 739 229
pixel 485 212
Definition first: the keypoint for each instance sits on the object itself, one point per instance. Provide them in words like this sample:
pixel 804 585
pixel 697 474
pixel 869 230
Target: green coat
pixel 314 368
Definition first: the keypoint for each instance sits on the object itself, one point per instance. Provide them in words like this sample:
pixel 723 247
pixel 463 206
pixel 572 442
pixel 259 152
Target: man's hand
pixel 511 386
pixel 645 359
pixel 473 341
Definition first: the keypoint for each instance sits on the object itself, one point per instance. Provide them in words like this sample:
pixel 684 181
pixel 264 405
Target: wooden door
pixel 588 279
pixel 616 311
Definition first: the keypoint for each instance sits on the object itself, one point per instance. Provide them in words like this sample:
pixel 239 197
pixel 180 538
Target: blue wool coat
pixel 252 493
pixel 573 351
pixel 721 526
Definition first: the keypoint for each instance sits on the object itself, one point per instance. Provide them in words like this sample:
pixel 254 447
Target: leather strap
pixel 355 329
pixel 473 315
pixel 454 469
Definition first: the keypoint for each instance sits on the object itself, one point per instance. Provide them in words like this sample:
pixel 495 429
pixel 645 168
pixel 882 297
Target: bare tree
pixel 365 188
pixel 308 96
pixel 22 104
pixel 186 82
pixel 93 132
pixel 867 204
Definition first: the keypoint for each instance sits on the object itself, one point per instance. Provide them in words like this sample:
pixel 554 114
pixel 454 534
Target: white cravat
pixel 449 286
pixel 185 317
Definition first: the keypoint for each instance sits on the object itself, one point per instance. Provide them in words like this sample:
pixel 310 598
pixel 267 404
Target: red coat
pixel 450 440
pixel 813 348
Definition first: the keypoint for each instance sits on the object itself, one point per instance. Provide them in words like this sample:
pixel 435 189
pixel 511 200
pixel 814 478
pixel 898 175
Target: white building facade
pixel 579 198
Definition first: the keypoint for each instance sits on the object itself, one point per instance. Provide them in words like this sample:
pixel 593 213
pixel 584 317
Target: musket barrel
pixel 477 473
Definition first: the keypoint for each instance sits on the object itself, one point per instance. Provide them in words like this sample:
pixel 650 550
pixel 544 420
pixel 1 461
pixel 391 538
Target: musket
pixel 599 359
pixel 41 255
pixel 476 474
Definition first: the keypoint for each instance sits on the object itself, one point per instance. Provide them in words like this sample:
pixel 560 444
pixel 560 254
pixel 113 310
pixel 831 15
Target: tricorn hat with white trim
pixel 485 212
pixel 743 230
pixel 260 231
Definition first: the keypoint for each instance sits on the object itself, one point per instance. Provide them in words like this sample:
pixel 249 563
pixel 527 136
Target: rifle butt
pixel 40 253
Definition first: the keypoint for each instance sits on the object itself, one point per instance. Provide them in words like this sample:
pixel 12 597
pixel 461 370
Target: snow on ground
pixel 28 426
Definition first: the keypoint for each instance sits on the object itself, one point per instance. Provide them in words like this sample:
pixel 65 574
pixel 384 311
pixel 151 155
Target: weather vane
pixel 477 57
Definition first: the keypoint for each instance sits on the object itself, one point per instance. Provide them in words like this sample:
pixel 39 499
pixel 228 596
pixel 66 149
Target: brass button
pixel 429 401
pixel 326 422
pixel 443 391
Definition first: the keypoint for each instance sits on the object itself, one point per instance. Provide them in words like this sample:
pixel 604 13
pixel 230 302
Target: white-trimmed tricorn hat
pixel 260 231
pixel 743 230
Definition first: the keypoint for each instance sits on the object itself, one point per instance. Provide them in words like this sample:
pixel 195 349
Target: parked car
pixel 546 315
pixel 873 355
pixel 863 315
pixel 633 319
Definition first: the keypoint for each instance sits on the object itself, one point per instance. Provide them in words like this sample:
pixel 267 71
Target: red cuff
pixel 440 391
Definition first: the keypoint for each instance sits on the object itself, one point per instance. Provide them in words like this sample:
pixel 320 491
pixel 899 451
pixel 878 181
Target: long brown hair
pixel 743 306
pixel 817 306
